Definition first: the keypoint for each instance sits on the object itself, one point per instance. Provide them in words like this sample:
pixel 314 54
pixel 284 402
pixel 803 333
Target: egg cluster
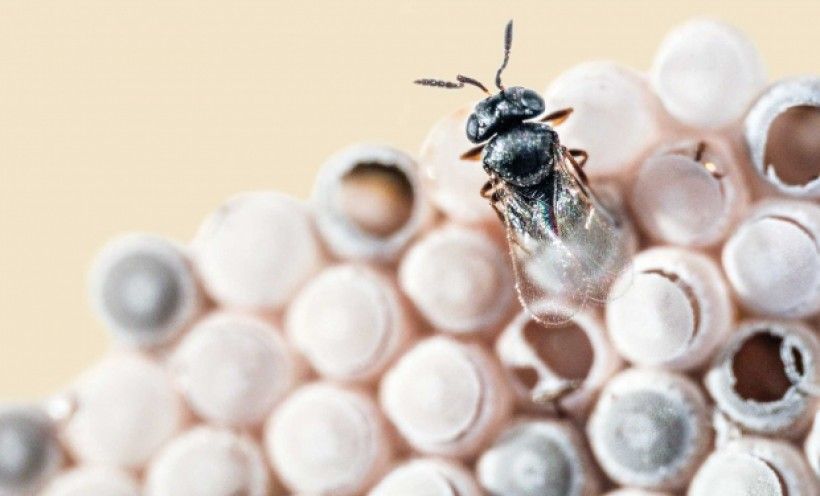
pixel 370 341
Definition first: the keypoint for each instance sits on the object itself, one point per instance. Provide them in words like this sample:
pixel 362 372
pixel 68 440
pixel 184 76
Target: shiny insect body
pixel 566 246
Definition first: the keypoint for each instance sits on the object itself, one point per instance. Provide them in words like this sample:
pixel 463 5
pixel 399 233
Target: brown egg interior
pixel 793 145
pixel 565 348
pixel 378 198
pixel 759 370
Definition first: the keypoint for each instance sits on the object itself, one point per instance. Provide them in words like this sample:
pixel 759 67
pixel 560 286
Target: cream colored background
pixel 144 115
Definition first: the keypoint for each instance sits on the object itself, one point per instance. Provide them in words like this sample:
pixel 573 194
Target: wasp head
pixel 506 108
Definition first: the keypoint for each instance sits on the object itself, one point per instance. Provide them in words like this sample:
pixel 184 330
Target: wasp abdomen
pixel 522 155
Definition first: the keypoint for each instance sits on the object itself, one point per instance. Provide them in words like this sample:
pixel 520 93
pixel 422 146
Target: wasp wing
pixel 592 225
pixel 566 248
pixel 548 275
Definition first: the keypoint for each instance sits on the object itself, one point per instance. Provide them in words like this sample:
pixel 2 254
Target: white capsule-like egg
pixel 233 368
pixel 349 321
pixel 459 279
pixel 256 250
pixel 672 311
pixel 614 118
pixel 707 73
pixel 208 461
pixel 445 397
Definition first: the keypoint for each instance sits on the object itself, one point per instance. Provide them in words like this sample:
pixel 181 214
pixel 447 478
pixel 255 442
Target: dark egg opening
pixel 759 369
pixel 793 147
pixel 565 349
pixel 377 197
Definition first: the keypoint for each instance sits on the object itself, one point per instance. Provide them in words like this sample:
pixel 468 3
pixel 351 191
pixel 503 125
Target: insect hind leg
pixel 580 156
pixel 487 190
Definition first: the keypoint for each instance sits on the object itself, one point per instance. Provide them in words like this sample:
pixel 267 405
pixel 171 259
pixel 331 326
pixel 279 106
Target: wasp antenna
pixel 439 83
pixel 471 81
pixel 507 46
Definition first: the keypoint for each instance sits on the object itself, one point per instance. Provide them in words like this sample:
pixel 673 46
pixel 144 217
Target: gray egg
pixel 143 289
pixel 650 429
pixel 536 458
pixel 27 449
pixel 142 292
pixel 645 431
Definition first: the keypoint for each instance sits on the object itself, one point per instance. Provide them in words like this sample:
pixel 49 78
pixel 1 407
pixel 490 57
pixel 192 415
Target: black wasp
pixel 566 246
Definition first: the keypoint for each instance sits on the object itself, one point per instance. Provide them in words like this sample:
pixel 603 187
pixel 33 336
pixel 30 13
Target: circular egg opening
pixel 378 198
pixel 792 147
pixel 565 349
pixel 759 370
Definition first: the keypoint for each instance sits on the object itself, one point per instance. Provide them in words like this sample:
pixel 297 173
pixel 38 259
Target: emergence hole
pixel 759 369
pixel 792 147
pixel 378 198
pixel 565 349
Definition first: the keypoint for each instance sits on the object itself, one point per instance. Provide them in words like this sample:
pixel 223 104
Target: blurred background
pixel 120 116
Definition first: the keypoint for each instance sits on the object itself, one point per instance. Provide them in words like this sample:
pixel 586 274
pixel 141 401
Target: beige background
pixel 144 115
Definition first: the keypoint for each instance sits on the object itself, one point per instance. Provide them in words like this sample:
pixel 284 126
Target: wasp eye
pixel 473 129
pixel 532 101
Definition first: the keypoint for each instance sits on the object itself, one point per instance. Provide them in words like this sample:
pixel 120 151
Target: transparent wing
pixel 567 249
pixel 593 226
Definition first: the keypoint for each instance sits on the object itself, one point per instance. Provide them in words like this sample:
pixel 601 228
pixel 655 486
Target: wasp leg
pixel 495 197
pixel 486 190
pixel 580 156
pixel 578 170
pixel 473 153
pixel 699 151
pixel 511 238
pixel 557 117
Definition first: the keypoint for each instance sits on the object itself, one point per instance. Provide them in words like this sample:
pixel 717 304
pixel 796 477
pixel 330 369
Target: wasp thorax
pixel 522 155
pixel 510 106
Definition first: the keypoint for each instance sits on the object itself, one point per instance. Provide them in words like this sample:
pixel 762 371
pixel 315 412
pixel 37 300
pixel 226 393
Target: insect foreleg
pixel 486 190
pixel 557 117
pixel 473 153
